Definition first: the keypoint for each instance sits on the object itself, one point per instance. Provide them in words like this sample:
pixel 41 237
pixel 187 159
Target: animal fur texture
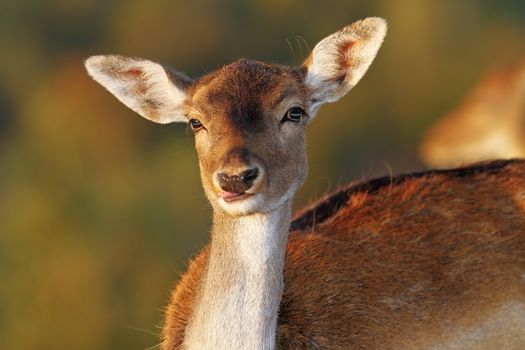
pixel 423 261
pixel 434 260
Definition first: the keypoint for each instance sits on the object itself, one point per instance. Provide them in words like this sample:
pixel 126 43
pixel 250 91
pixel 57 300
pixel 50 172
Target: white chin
pixel 246 206
pixel 256 203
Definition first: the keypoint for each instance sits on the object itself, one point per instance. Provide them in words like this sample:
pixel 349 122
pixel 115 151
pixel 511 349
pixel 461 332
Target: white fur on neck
pixel 239 298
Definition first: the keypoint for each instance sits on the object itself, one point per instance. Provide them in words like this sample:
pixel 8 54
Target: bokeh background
pixel 100 209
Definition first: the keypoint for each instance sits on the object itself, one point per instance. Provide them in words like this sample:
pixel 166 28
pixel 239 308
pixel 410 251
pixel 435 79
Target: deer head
pixel 249 117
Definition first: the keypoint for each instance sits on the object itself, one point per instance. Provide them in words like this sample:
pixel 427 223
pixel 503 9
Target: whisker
pixel 156 346
pixel 298 42
pixel 300 38
pixel 142 330
pixel 291 49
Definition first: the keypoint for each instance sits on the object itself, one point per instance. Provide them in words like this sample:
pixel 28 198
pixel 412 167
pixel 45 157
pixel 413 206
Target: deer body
pixel 486 124
pixel 411 262
pixel 428 261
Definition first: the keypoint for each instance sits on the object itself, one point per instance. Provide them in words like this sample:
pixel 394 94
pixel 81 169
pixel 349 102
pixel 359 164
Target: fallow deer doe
pixel 489 123
pixel 434 260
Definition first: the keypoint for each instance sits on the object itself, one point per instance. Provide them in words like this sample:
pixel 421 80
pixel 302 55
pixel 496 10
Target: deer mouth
pixel 232 196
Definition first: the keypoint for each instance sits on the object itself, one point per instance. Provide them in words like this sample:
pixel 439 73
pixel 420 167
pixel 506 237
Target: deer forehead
pixel 247 93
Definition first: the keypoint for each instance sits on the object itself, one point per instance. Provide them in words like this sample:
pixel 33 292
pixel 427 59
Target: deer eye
pixel 294 115
pixel 195 125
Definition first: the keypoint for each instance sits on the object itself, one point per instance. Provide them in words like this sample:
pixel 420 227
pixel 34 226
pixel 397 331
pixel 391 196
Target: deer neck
pixel 239 297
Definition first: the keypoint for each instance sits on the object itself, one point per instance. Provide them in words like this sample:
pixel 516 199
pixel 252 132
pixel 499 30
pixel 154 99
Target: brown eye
pixel 195 125
pixel 294 115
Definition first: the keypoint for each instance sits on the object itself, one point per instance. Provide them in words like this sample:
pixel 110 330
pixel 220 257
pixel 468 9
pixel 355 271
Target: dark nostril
pixel 250 175
pixel 223 177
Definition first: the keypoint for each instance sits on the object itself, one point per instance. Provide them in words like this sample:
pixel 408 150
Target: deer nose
pixel 238 183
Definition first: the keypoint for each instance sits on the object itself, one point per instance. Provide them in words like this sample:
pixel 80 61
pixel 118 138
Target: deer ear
pixel 149 89
pixel 340 60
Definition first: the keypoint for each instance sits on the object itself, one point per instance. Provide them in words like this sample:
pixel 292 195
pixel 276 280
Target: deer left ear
pixel 151 90
pixel 339 61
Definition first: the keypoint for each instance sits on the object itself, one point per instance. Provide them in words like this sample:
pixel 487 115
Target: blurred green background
pixel 100 209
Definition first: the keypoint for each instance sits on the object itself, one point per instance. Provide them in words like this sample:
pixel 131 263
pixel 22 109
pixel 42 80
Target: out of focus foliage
pixel 100 209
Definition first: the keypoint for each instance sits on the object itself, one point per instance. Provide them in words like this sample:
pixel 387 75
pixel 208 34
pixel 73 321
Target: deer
pixel 430 260
pixel 488 122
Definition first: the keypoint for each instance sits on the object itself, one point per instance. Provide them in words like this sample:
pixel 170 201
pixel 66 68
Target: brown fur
pixel 399 263
pixel 239 106
pixel 432 260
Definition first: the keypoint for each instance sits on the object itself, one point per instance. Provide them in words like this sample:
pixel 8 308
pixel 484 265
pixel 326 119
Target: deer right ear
pixel 340 60
pixel 146 87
